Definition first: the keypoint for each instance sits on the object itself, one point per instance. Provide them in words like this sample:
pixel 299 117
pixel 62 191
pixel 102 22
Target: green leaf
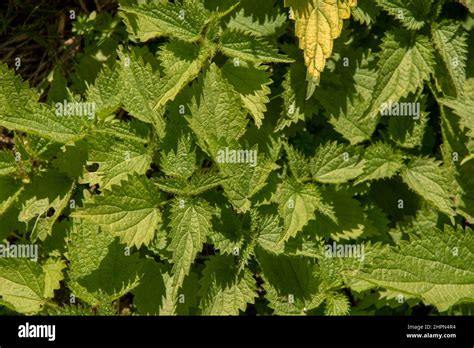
pixel 434 266
pixel 252 85
pixel 129 211
pixel 53 271
pixel 249 48
pixel 70 160
pixel 180 163
pixel 181 62
pixel 291 282
pixel 349 221
pixel 412 14
pixel 456 147
pixel 406 61
pixel 429 180
pixel 203 181
pixel 190 224
pixel 297 204
pixel 259 19
pixel 151 283
pixel 199 183
pixel 228 233
pixel 166 299
pixel 183 303
pixel 335 163
pixel 245 180
pixel 11 190
pixel 337 304
pixel 451 44
pixel 346 113
pixel 106 91
pixel 182 20
pixel 8 164
pixel 381 161
pixel 118 273
pixel 20 110
pixel 408 132
pixel 129 155
pixel 100 269
pixel 223 290
pixel 139 92
pixel 463 108
pixel 216 113
pixel 35 147
pixel 22 285
pixel 295 106
pixel 298 163
pixel 425 220
pixel 269 229
pixel 87 246
pixel 43 201
pixel 365 12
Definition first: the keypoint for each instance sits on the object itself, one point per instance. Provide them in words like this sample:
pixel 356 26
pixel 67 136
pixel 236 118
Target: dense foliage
pixel 216 157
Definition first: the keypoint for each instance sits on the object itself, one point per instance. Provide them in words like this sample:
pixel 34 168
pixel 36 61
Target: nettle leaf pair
pixel 215 166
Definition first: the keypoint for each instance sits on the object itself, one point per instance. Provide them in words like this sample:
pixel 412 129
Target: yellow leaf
pixel 318 23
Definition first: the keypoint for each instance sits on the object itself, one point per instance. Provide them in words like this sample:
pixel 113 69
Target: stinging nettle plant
pixel 226 146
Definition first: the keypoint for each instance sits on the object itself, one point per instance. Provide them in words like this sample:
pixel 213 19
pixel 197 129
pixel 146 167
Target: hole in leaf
pixel 93 167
